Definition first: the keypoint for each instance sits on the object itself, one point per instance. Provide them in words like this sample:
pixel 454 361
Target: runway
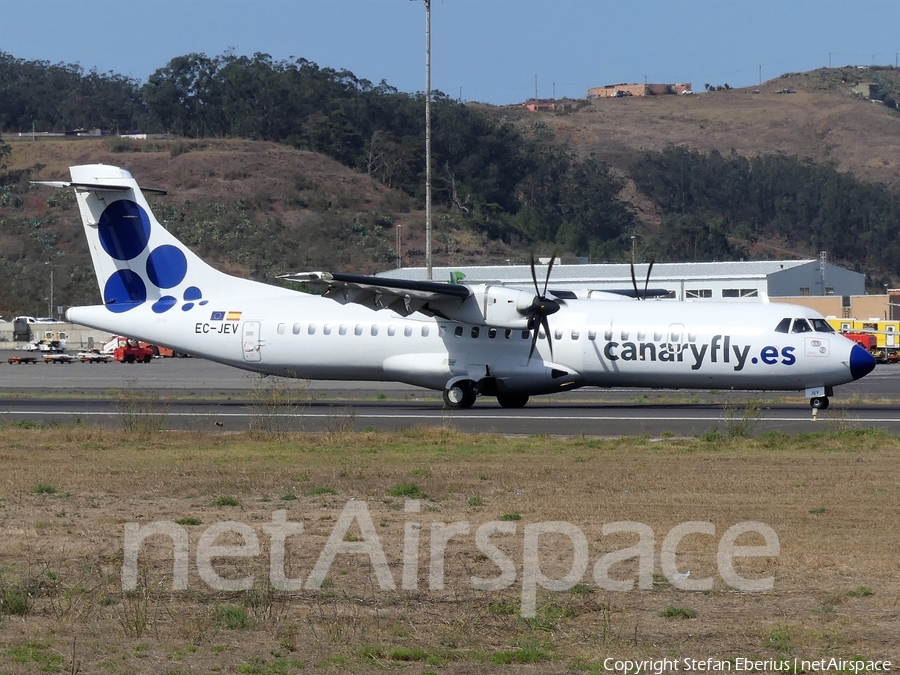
pixel 198 394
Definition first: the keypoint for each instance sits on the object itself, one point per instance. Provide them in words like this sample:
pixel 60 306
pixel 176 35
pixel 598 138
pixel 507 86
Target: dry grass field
pixel 66 494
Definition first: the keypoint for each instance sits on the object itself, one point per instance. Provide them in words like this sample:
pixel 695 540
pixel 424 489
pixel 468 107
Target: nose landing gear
pixel 818 402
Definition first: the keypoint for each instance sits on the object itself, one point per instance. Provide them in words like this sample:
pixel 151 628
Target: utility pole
pixel 428 265
pixel 535 89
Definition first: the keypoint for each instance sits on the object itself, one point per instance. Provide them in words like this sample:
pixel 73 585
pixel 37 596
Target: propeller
pixel 541 307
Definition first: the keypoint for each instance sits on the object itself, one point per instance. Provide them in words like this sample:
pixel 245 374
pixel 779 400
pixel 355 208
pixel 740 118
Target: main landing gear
pixel 461 395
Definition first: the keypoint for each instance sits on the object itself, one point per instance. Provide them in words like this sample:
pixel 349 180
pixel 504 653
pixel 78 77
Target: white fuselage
pixel 595 342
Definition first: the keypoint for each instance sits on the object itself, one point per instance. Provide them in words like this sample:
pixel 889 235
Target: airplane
pixel 463 340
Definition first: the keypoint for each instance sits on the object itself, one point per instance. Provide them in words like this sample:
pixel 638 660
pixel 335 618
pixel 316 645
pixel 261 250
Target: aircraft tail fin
pixel 136 259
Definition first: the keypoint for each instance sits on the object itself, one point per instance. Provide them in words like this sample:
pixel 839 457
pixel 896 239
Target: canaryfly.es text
pixel 718 350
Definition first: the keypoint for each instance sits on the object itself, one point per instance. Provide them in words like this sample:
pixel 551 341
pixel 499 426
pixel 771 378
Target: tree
pixel 5 151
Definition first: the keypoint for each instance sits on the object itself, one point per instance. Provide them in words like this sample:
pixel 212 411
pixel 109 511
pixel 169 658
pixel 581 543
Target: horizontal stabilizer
pixel 404 296
pixel 94 186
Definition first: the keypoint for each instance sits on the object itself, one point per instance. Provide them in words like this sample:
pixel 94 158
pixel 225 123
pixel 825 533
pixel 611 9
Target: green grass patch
pixel 225 501
pixel 673 612
pixel 42 489
pixel 407 490
pixel 861 592
pixel 190 520
pixel 232 617
pixel 510 516
pixel 321 490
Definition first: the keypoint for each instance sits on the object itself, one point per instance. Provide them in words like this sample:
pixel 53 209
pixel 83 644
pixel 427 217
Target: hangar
pixel 752 279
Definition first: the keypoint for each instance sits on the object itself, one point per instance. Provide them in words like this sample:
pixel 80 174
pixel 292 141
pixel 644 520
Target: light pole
pixel 428 267
pixel 399 257
pixel 633 237
pixel 50 299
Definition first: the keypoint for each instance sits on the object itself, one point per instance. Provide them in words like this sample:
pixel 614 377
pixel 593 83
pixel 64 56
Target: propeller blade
pixel 647 280
pixel 637 295
pixel 549 269
pixel 537 289
pixel 534 339
pixel 546 326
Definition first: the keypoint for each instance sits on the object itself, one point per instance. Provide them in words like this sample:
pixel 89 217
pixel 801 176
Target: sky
pixel 482 50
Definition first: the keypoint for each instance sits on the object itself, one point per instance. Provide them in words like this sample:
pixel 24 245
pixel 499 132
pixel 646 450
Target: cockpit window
pixel 784 326
pixel 801 326
pixel 822 326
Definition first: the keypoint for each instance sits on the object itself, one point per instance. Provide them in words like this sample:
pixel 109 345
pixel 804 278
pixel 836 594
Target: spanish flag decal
pixel 233 316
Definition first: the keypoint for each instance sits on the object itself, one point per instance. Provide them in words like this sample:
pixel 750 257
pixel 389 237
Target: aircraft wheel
pixel 460 396
pixel 512 400
pixel 818 402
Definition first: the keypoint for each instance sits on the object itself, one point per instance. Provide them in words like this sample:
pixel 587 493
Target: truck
pixel 132 352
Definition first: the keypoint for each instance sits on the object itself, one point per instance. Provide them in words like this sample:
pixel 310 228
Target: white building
pixel 684 281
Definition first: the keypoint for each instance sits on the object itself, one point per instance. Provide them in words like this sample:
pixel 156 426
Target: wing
pixel 403 296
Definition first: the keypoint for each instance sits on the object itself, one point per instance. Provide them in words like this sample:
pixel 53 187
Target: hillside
pixel 252 208
pixel 821 121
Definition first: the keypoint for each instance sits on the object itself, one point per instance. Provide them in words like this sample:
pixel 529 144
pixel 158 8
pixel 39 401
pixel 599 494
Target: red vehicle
pixel 865 340
pixel 132 352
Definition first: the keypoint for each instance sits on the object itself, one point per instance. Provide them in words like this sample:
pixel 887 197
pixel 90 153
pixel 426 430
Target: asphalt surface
pixel 193 393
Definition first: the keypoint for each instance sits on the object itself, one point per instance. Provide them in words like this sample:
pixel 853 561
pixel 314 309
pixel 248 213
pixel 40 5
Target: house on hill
pixel 867 90
pixel 623 89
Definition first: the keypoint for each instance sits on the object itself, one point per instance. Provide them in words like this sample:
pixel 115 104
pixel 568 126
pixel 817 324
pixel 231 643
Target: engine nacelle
pixel 498 306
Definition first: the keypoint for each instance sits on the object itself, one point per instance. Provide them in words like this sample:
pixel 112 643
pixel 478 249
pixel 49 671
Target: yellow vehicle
pixel 886 333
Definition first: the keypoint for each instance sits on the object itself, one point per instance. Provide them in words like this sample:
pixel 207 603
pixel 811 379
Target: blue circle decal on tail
pixel 164 304
pixel 192 293
pixel 124 229
pixel 124 290
pixel 166 266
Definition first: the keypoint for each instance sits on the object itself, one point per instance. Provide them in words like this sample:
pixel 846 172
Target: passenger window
pixel 607 334
pixel 783 326
pixel 801 326
pixel 592 335
pixel 296 329
pixel 343 329
pixel 374 329
pixel 281 329
pixel 492 333
pixel 575 334
pixel 442 331
pixel 327 329
pixel 407 331
pixel 692 337
pixel 458 331
pixel 657 336
pixel 391 331
pixel 425 331
pixel 475 331
pixel 625 335
pixel 312 329
pixel 557 334
pixel 641 335
pixel 358 330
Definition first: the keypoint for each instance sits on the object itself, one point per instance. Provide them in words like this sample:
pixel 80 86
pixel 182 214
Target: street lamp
pixel 633 237
pixel 50 299
pixel 428 267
